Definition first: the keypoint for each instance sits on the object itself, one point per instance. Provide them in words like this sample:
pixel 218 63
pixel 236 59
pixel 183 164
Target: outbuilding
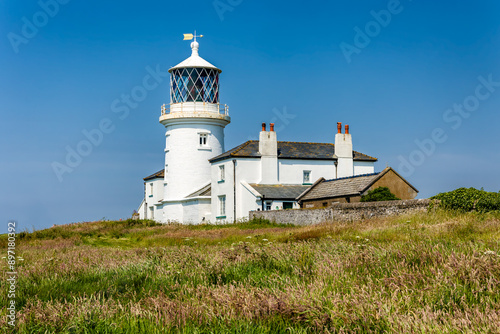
pixel 324 193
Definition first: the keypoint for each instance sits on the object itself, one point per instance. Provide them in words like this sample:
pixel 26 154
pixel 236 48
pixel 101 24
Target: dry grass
pixel 436 272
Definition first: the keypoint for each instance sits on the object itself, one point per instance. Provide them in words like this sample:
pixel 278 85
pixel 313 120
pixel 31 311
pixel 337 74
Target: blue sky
pixel 281 62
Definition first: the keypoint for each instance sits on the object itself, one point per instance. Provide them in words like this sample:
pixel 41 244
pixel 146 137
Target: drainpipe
pixel 145 204
pixel 234 190
pixel 262 201
pixel 336 163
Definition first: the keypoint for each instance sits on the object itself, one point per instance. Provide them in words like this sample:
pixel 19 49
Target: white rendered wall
pixel 249 201
pixel 196 211
pixel 152 198
pixel 172 212
pixel 222 188
pixel 141 210
pixel 247 169
pixel 364 167
pixel 187 163
pixel 269 170
pixel 291 171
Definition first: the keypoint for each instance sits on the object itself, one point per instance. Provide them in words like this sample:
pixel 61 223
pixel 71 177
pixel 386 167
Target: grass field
pixel 426 273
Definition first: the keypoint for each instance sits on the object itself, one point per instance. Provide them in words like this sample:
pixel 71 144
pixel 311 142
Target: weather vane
pixel 191 36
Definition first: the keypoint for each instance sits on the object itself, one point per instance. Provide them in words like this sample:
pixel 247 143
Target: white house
pixel 201 182
pixel 269 174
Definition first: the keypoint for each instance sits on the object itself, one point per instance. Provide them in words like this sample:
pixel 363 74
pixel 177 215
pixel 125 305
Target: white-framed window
pixel 222 173
pixel 222 206
pixel 269 205
pixel 306 177
pixel 203 139
pixel 151 189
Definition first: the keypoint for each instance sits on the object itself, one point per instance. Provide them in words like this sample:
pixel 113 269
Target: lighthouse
pixel 194 122
pixel 202 182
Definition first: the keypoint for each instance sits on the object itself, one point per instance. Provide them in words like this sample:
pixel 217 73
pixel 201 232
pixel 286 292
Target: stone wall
pixel 343 212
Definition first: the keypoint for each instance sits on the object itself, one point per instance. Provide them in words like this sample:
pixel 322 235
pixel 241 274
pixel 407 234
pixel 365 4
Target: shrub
pixel 469 199
pixel 379 194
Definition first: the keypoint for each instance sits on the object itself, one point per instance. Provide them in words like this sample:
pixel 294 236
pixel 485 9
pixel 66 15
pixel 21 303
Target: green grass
pixel 434 272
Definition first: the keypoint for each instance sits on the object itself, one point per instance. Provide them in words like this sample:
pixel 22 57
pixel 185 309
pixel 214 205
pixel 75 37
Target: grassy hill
pixel 435 272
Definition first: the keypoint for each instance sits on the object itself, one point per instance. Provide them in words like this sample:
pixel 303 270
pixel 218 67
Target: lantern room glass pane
pixel 194 85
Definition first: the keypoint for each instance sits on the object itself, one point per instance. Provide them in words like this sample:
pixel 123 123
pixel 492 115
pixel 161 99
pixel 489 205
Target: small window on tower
pixel 151 190
pixel 203 139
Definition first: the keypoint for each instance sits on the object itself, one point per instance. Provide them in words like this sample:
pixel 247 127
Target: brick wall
pixel 343 212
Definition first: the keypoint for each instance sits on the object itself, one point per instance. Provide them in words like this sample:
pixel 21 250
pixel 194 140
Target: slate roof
pixel 158 174
pixel 204 191
pixel 346 186
pixel 290 150
pixel 279 191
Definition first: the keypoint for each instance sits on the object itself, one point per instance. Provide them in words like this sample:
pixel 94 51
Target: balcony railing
pixel 196 107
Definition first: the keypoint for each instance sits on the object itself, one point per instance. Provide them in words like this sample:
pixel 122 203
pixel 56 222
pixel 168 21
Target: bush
pixel 379 194
pixel 469 199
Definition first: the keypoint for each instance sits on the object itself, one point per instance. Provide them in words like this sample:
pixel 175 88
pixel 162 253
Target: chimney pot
pixel 272 127
pixel 263 126
pixel 347 128
pixel 339 127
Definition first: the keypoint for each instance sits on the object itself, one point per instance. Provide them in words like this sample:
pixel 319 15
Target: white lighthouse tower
pixel 194 122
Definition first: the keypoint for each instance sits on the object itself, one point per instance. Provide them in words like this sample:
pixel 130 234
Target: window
pixel 287 205
pixel 166 169
pixel 269 206
pixel 194 84
pixel 151 212
pixel 222 206
pixel 222 174
pixel 203 139
pixel 151 189
pixel 306 177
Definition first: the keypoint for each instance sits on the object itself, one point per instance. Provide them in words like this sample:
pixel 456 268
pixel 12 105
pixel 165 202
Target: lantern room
pixel 194 86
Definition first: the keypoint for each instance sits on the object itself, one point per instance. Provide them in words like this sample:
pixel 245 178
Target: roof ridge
pixel 352 177
pixel 304 142
pixel 280 184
